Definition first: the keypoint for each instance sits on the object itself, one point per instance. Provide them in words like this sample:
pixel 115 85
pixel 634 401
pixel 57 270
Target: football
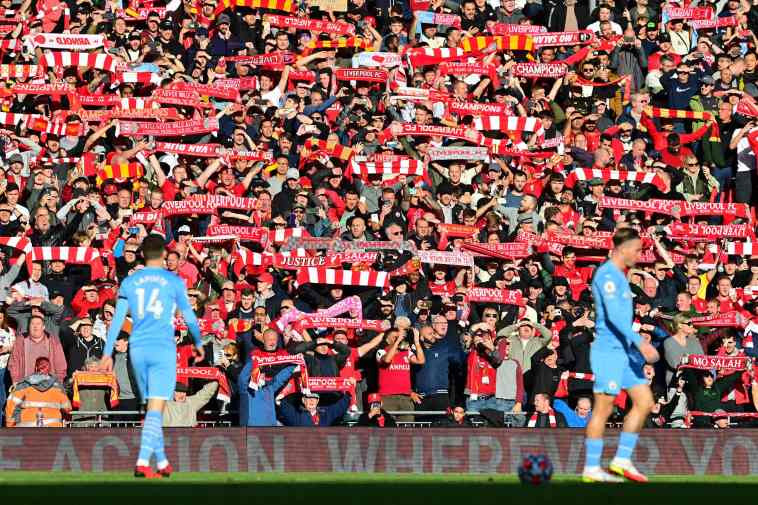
pixel 535 470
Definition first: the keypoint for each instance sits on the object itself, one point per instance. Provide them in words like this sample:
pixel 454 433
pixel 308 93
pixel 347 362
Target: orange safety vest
pixel 30 407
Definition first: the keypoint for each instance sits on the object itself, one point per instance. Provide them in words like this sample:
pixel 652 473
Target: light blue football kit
pixel 151 296
pixel 615 357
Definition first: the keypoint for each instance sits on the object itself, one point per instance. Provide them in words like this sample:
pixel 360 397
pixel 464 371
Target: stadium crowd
pixel 379 206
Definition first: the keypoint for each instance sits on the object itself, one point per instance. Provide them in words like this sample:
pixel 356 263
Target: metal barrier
pixel 120 419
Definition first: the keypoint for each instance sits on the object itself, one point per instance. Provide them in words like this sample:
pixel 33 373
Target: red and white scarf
pixel 684 231
pixel 585 174
pixel 314 25
pixel 533 69
pixel 76 255
pixel 669 207
pixel 505 251
pixel 395 167
pixel 741 248
pixel 731 319
pixel 69 42
pixel 562 390
pixel 495 295
pixel 422 56
pixel 551 419
pixel 361 74
pixel 58 60
pixel 581 37
pixel 208 373
pixel 172 129
pixel 365 278
pixel 464 69
pixel 707 362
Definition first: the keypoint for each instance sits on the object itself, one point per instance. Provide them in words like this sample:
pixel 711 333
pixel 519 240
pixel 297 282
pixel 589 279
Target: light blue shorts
pixel 616 370
pixel 155 371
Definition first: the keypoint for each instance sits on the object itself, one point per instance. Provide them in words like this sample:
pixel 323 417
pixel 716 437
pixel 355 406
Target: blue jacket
pixel 296 416
pixel 258 408
pixel 572 418
pixel 433 376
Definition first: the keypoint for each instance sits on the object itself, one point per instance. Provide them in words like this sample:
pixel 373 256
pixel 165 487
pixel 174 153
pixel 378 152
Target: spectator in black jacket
pixel 82 346
pixel 318 359
pixel 376 416
pixel 543 415
pixel 545 372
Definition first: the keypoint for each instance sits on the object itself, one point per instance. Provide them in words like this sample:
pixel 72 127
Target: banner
pixel 361 74
pixel 172 129
pixel 549 70
pixel 495 295
pixel 68 42
pixel 314 25
pixel 437 451
pixel 563 38
pixel 693 13
pixel 707 24
pixel 707 362
pixel 275 59
pixel 377 59
pixel 468 153
pixel 682 208
pixel 460 259
pixel 207 90
pixel 477 108
pixel 725 320
pixel 506 251
pixel 206 204
pixel 297 262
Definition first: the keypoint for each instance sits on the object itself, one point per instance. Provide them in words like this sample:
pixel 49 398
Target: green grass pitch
pixel 121 488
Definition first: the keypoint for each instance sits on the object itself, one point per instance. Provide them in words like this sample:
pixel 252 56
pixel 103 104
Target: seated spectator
pixel 376 416
pixel 543 415
pixel 579 416
pixel 22 409
pixel 456 418
pixel 311 414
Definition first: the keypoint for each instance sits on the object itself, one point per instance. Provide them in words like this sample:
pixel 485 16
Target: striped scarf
pixel 550 415
pixel 59 60
pixel 8 71
pixel 333 149
pixel 497 43
pixel 122 171
pixel 76 255
pixel 365 278
pixel 94 379
pixel 422 56
pixel 262 359
pixel 742 248
pixel 341 42
pixel 689 114
pixel 138 78
pixel 393 167
pixel 562 390
pixel 585 174
pixel 517 124
pixel 276 5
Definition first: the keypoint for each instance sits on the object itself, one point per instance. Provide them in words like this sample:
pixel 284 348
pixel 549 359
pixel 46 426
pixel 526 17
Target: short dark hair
pixel 624 235
pixel 152 247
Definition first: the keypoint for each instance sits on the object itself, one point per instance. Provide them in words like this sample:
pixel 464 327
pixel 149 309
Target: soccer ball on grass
pixel 535 470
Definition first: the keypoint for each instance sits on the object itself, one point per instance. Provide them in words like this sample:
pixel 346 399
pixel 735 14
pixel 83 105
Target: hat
pixel 311 394
pixel 560 281
pixel 525 322
pixel 708 80
pixel 266 277
pixel 181 388
pixel 166 24
pixel 134 36
pixel 109 189
pixel 223 19
pixel 374 398
pixel 16 158
pixel 664 37
pixel 84 321
pixel 184 229
pixel 596 181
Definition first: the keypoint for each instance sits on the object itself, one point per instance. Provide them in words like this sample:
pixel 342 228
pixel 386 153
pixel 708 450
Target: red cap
pixel 266 277
pixel 374 398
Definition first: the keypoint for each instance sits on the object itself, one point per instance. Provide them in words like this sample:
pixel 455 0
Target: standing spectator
pixel 523 341
pixel 394 378
pixel 683 341
pixel 7 339
pixel 182 410
pixel 82 346
pixel 128 392
pixel 36 344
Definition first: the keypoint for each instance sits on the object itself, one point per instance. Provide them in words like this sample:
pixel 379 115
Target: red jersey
pixel 395 378
pixel 481 377
pixel 447 288
pixel 237 189
pixel 578 278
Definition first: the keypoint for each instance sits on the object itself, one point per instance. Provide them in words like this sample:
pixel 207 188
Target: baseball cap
pixel 311 394
pixel 184 229
pixel 596 181
pixel 266 277
pixel 16 158
pixel 374 398
pixel 166 24
pixel 708 80
pixel 224 19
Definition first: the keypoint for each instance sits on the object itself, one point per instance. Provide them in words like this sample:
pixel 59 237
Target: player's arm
pixel 122 307
pixel 190 319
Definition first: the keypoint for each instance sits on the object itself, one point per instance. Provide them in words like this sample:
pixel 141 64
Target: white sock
pixel 588 469
pixel 142 462
pixel 621 461
pixel 162 464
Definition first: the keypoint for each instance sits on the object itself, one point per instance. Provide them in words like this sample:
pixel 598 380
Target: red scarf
pixel 550 415
pixel 208 373
pixel 495 295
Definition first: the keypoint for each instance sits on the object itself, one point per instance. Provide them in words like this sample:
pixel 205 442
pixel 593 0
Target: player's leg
pixel 642 404
pixel 608 371
pixel 161 385
pixel 139 362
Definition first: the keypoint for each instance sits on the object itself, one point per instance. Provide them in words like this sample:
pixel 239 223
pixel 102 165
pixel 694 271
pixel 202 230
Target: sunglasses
pixel 490 316
pixel 229 356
